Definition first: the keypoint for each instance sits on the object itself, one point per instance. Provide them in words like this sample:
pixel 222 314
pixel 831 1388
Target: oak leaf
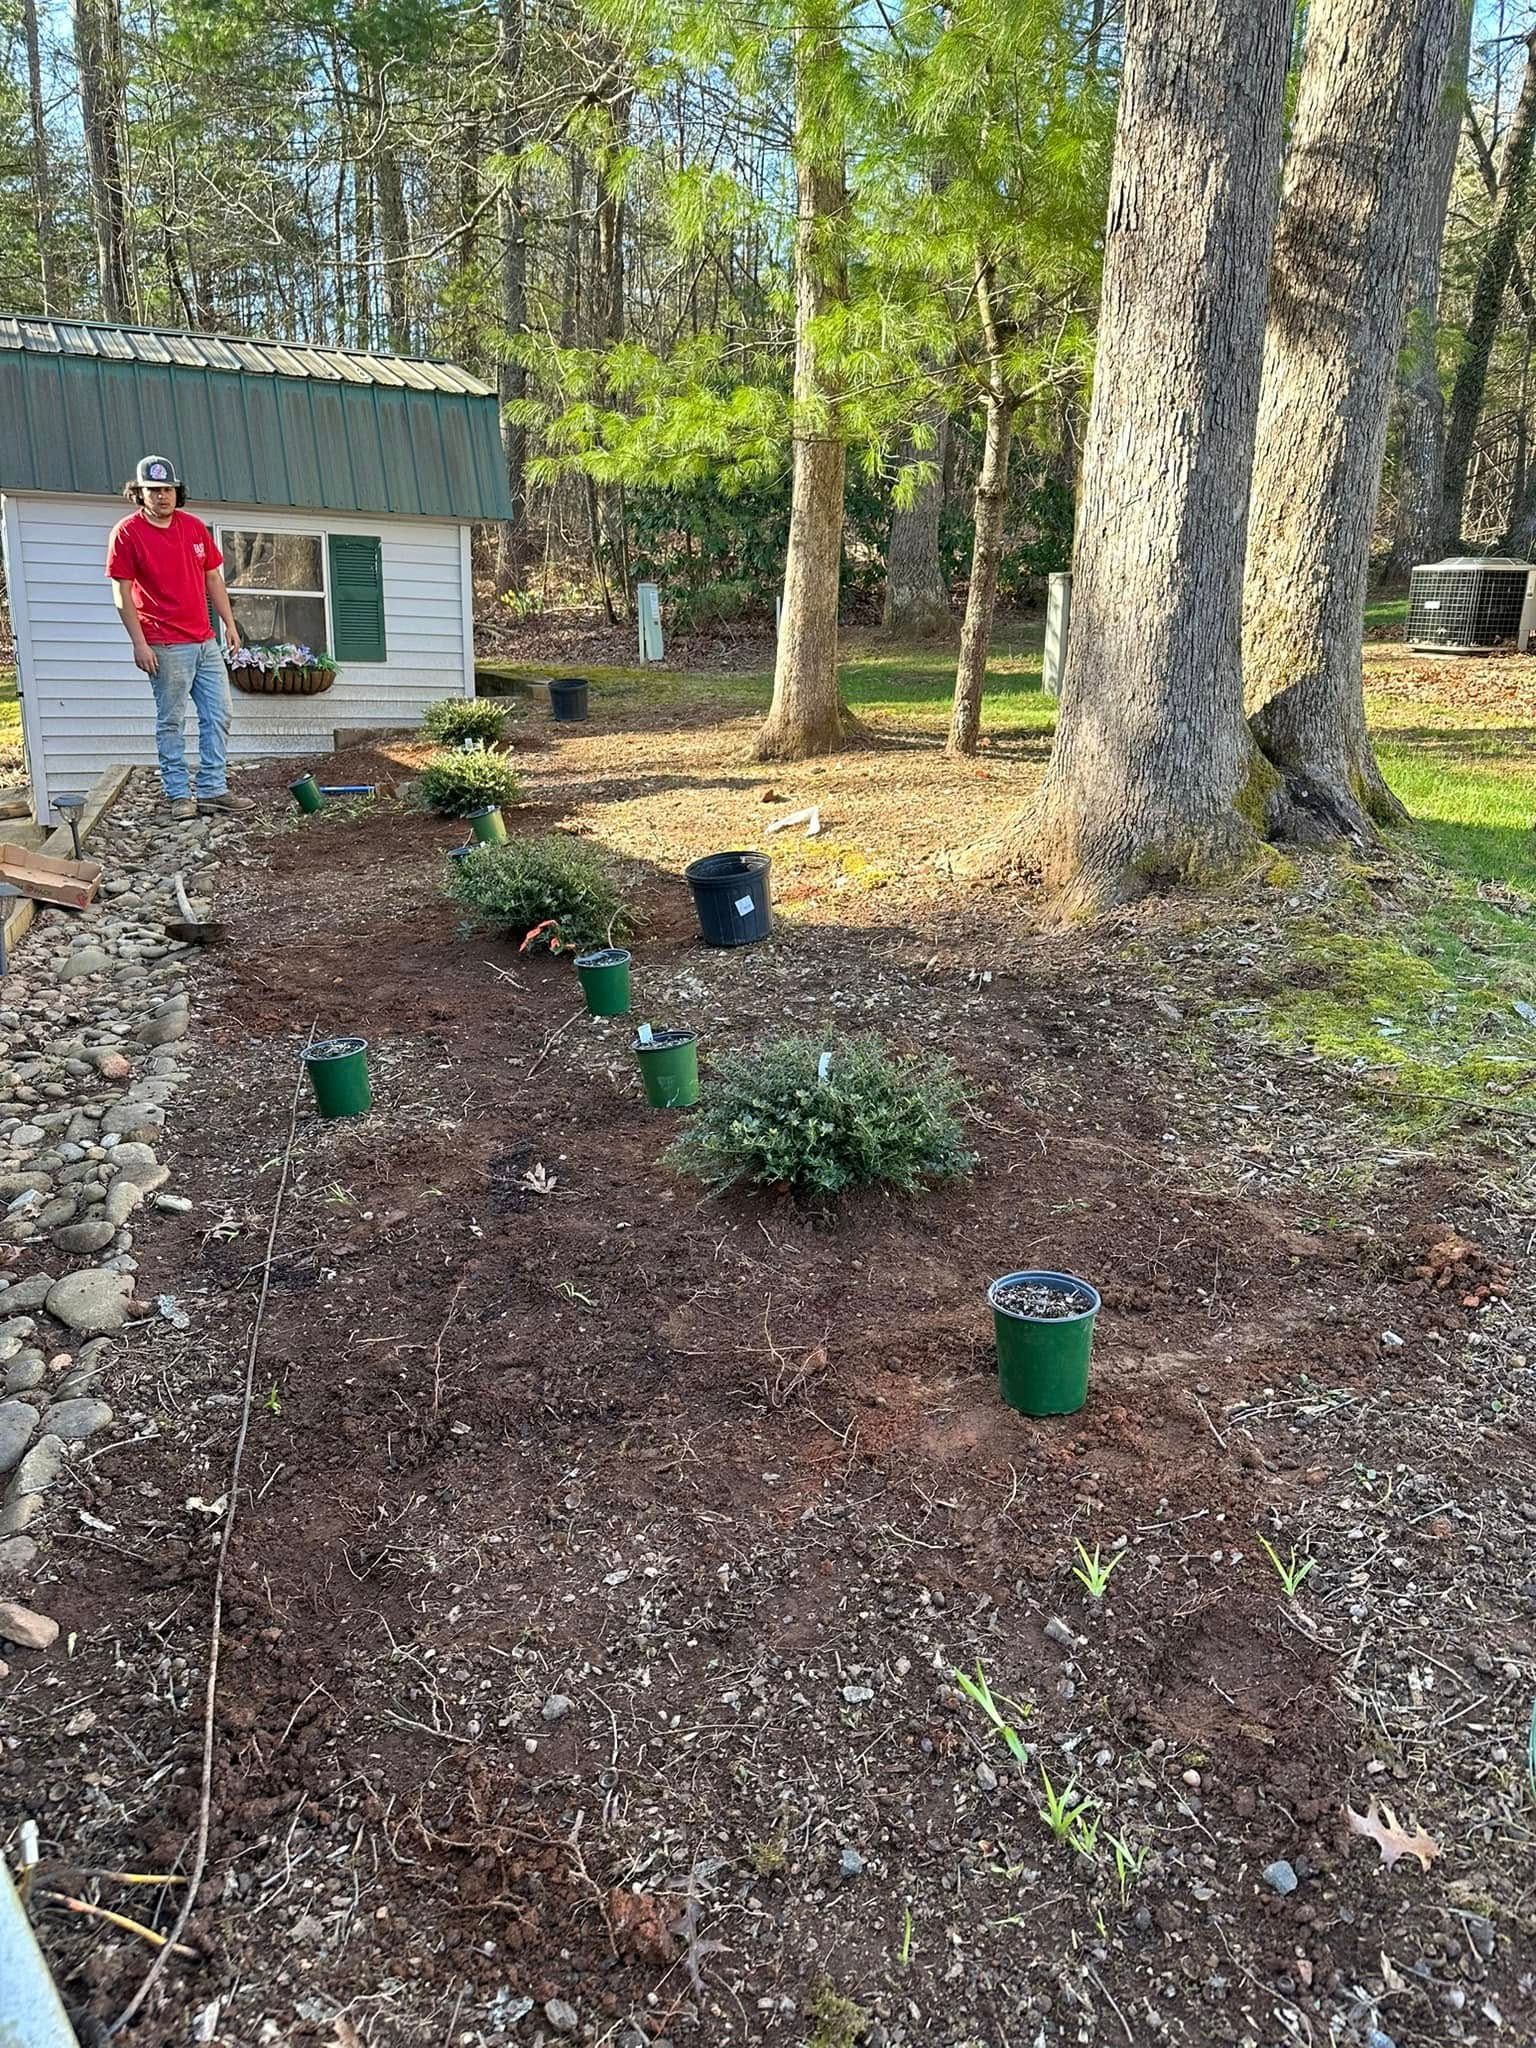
pixel 1379 1824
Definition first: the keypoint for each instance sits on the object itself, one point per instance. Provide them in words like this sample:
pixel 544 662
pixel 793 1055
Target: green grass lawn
pixel 10 726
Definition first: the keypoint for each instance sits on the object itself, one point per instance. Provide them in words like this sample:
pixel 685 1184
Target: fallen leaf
pixel 1379 1824
pixel 640 1922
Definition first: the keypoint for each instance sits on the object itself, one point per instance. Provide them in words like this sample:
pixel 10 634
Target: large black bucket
pixel 730 897
pixel 568 699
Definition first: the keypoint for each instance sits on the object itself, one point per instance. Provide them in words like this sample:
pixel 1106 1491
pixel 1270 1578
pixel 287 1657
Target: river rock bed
pixel 94 1020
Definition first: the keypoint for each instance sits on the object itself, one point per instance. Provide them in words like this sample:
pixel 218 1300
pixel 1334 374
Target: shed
pixel 340 486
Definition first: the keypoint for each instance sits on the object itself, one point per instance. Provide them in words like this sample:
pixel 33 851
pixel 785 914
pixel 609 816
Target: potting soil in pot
pixel 1043 1304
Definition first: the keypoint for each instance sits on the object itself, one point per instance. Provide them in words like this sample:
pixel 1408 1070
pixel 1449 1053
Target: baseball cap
pixel 156 469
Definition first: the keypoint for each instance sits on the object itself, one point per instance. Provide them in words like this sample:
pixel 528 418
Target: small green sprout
pixel 1128 1863
pixel 905 1955
pixel 1093 1572
pixel 1292 1574
pixel 980 1694
pixel 1061 1811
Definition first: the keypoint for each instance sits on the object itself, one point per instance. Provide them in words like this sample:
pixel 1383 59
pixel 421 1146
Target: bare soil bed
pixel 606 1555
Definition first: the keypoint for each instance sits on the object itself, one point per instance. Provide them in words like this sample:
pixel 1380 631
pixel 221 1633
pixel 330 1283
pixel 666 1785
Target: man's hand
pixel 231 638
pixel 146 658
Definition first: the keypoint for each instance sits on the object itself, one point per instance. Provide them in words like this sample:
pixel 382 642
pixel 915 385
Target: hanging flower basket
pixel 280 670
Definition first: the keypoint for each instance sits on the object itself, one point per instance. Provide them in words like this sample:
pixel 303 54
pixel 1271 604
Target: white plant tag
pixel 744 906
pixel 823 1068
pixel 645 1034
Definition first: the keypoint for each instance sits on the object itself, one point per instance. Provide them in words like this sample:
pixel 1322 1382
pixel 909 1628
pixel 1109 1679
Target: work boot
pixel 183 808
pixel 226 800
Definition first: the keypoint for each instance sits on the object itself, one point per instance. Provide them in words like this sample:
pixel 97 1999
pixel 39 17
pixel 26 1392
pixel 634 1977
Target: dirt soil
pixel 606 1555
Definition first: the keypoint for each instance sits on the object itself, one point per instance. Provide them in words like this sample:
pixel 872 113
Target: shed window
pixel 276 584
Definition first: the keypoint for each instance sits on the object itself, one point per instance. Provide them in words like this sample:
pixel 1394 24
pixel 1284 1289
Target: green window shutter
pixel 357 597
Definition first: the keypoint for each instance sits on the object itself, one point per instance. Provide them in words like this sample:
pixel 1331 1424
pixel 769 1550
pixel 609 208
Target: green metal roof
pixel 246 422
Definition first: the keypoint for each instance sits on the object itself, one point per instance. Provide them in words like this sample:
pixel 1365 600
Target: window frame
pixel 322 540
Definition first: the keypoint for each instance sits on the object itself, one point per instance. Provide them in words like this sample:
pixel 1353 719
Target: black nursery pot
pixel 568 699
pixel 730 897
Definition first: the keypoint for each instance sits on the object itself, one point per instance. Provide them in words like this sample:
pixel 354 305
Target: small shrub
pixel 532 882
pixel 770 1120
pixel 454 783
pixel 453 720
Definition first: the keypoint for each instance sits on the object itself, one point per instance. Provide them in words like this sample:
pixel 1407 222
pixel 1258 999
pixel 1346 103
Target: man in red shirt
pixel 164 566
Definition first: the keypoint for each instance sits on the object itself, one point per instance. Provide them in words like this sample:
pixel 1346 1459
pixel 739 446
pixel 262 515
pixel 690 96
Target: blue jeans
pixel 196 670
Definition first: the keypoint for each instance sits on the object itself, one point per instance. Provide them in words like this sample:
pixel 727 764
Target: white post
pixel 648 620
pixel 1058 619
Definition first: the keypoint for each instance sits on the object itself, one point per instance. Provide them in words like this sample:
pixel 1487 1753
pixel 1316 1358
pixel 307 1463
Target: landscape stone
pixel 18 1419
pixel 92 1301
pixel 138 1164
pixel 166 1025
pixel 123 1197
pixel 74 1421
pixel 19 1513
pixel 32 1292
pixel 86 960
pixel 24 1373
pixel 93 1235
pixel 40 1467
pixel 19 1327
pixel 23 1625
pixel 17 1555
pixel 562 2017
pixel 128 1117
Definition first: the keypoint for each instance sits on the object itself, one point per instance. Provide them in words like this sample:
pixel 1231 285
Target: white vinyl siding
pixel 88 707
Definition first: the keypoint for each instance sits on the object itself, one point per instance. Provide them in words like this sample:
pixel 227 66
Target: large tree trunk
pixel 807 714
pixel 42 184
pixel 1488 299
pixel 916 600
pixel 512 236
pixel 1152 755
pixel 1372 77
pixel 98 56
pixel 986 553
pixel 608 307
pixel 1416 533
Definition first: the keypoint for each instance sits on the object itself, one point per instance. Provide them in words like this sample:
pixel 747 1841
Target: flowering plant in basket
pixel 280 667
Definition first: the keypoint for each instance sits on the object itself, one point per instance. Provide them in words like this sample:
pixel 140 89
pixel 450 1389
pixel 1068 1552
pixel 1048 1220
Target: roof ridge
pixel 226 335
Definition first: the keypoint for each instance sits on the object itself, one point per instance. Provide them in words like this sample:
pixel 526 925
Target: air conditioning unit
pixel 1471 603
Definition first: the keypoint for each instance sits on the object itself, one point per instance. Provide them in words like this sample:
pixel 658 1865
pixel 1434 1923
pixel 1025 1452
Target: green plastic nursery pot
pixel 338 1073
pixel 669 1069
pixel 1042 1362
pixel 306 794
pixel 604 977
pixel 488 826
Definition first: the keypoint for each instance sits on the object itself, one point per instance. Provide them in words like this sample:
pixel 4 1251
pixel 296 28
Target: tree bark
pixel 394 237
pixel 608 285
pixel 1372 79
pixel 42 184
pixel 512 237
pixel 916 600
pixel 807 715
pixel 981 595
pixel 1152 755
pixel 98 59
pixel 1488 299
pixel 1416 533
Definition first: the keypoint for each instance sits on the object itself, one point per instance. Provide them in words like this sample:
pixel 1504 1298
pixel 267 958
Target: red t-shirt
pixel 168 565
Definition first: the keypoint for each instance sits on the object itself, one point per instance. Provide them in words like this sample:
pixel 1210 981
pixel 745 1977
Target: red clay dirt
pixel 731 1481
